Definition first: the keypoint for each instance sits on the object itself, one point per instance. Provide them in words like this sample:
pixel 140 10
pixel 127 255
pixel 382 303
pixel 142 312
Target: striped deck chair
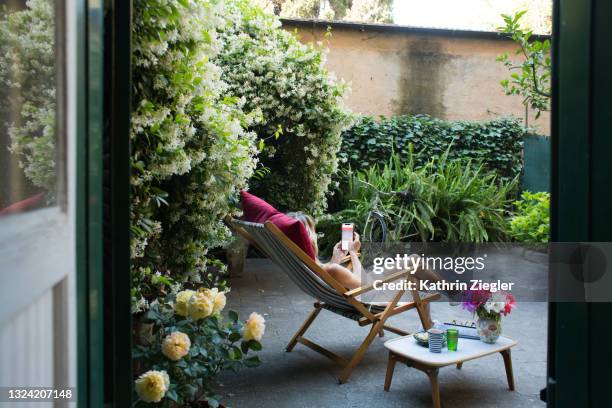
pixel 312 279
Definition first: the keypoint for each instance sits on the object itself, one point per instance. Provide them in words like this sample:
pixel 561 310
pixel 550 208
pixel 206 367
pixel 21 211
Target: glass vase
pixel 489 329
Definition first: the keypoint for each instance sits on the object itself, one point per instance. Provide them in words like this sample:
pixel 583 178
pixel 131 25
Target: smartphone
pixel 347 236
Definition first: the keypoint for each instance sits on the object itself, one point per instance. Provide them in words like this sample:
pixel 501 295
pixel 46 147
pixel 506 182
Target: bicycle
pixel 375 227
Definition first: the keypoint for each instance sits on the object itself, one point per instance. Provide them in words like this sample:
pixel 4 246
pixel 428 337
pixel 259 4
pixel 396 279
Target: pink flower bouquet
pixel 487 304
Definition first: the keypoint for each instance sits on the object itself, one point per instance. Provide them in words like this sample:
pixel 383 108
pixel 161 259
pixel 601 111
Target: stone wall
pixel 448 74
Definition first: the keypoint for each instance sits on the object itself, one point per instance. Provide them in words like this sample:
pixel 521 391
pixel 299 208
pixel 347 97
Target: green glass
pixel 452 338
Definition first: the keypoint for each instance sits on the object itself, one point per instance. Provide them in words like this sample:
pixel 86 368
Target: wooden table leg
pixel 508 363
pixel 432 373
pixel 435 387
pixel 390 369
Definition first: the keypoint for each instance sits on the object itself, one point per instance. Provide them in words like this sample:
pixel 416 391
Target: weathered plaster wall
pixel 445 74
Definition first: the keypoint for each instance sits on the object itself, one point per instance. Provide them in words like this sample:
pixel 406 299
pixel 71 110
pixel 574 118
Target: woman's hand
pixel 338 253
pixel 355 246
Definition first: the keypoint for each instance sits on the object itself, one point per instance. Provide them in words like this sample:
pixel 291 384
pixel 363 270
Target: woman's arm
pixel 354 253
pixel 343 275
pixel 337 254
pixel 347 278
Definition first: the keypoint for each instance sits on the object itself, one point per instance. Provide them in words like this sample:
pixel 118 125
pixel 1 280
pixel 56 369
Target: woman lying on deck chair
pixel 347 278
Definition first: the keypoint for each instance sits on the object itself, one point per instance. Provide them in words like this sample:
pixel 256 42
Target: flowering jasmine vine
pixel 212 81
pixel 302 113
pixel 191 150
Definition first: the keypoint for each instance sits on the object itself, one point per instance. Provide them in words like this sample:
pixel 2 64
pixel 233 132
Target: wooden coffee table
pixel 406 350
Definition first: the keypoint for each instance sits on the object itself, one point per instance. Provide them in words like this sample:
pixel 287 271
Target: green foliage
pixel 300 104
pixel 191 151
pixel 497 144
pixel 443 200
pixel 531 222
pixel 27 89
pixel 530 77
pixel 216 346
pixel 301 8
pixel 370 11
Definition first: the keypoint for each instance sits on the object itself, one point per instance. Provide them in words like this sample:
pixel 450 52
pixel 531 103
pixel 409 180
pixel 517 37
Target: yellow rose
pixel 176 345
pixel 200 306
pixel 219 302
pixel 152 386
pixel 254 327
pixel 182 302
pixel 217 298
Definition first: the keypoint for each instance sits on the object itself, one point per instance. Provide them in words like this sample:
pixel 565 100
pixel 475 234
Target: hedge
pixel 498 143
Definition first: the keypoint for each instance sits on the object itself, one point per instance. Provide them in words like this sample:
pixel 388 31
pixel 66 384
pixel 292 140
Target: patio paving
pixel 306 379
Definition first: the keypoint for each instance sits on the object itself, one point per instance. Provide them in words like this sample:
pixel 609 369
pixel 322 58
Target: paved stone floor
pixel 306 379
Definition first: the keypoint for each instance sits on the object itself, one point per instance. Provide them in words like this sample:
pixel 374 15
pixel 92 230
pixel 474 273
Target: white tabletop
pixel 467 349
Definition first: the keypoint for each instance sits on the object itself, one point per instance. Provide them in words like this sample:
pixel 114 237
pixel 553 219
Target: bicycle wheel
pixel 375 228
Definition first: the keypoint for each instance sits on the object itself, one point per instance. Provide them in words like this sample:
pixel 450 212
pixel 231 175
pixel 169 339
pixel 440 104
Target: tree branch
pixel 533 73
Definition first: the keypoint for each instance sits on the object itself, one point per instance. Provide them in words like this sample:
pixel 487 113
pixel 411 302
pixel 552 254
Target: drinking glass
pixel 452 338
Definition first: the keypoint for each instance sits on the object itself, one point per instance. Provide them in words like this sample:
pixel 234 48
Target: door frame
pixel 581 198
pixel 103 203
pixel 581 205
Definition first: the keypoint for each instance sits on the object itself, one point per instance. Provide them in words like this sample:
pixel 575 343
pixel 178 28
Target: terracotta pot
pixel 142 333
pixel 236 254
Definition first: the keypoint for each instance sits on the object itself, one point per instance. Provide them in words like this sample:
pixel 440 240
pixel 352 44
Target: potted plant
pixel 490 307
pixel 191 344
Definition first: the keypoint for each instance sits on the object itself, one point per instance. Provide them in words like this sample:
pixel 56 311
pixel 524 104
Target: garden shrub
pixel 190 150
pixel 498 143
pixel 443 200
pixel 531 221
pixel 299 100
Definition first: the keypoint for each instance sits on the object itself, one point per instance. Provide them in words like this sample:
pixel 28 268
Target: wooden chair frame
pixel 377 320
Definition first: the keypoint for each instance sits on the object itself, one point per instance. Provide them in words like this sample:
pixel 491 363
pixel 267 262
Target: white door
pixel 37 196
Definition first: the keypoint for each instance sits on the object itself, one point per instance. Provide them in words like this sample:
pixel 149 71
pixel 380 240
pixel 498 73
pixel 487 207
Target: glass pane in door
pixel 28 105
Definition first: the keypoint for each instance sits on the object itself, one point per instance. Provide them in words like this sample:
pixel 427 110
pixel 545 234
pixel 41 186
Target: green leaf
pixel 253 361
pixel 233 316
pixel 235 353
pixel 172 395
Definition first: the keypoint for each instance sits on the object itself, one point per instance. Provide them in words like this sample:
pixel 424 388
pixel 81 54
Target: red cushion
pixel 257 210
pixel 23 205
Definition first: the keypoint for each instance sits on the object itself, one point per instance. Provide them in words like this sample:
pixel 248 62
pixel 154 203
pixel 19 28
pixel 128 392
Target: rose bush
pixel 187 352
